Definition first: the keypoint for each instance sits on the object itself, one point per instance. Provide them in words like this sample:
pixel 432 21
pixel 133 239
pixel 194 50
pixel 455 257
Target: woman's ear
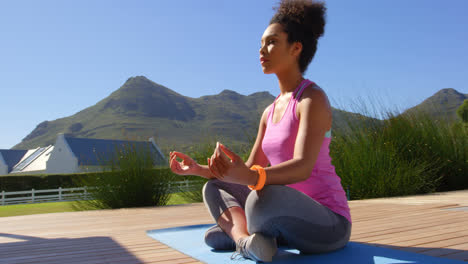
pixel 297 48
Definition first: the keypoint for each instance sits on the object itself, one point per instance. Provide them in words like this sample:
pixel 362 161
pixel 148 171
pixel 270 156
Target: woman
pixel 296 201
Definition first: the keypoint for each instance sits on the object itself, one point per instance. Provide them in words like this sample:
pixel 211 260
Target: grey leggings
pixel 296 220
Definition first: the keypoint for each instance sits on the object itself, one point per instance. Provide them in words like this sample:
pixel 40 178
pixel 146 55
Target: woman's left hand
pixel 229 167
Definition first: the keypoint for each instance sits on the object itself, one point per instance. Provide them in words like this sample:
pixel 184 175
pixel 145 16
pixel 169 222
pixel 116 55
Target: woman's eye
pixel 268 43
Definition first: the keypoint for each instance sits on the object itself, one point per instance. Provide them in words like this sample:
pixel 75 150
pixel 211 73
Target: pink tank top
pixel 323 185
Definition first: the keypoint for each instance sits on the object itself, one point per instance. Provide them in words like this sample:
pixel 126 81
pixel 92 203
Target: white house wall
pixel 3 166
pixel 62 159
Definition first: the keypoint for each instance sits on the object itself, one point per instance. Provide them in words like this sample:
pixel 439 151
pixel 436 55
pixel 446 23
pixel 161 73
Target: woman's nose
pixel 262 51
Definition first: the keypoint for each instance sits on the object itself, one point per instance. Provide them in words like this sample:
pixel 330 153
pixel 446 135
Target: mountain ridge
pixel 123 114
pixel 442 105
pixel 141 108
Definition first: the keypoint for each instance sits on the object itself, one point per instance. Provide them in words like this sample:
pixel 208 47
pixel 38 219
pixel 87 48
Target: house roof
pixel 34 161
pixel 96 152
pixel 12 157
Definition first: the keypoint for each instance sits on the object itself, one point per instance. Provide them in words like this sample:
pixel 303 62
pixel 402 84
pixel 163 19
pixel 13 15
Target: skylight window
pixel 20 166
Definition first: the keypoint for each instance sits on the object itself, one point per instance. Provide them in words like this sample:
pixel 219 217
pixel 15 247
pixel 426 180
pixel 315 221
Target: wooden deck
pixel 422 224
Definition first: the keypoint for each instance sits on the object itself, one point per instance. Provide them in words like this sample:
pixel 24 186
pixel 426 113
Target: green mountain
pixel 141 108
pixel 442 105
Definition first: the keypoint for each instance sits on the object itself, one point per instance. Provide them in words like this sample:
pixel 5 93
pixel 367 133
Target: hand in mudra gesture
pixel 227 166
pixel 185 167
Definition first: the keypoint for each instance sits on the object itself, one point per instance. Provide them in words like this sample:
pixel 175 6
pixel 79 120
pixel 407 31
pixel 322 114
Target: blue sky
pixel 59 57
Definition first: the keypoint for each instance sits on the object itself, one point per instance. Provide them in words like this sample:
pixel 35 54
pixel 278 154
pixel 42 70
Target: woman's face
pixel 276 54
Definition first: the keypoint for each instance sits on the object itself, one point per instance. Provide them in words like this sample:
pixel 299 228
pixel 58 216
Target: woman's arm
pixel 205 172
pixel 314 113
pixel 315 120
pixel 188 166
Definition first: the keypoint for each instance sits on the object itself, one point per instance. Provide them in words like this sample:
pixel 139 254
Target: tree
pixel 462 111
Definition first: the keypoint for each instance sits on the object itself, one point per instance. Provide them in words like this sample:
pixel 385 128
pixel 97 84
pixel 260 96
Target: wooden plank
pixel 435 231
pixel 63 223
pixel 454 243
pixel 392 228
pixel 434 251
pixel 432 239
pixel 119 236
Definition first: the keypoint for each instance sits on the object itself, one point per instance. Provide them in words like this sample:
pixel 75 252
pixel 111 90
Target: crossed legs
pixel 276 211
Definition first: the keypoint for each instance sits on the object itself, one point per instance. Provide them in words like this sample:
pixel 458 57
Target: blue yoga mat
pixel 189 240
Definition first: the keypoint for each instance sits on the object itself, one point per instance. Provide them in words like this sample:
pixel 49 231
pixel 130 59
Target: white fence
pixel 74 194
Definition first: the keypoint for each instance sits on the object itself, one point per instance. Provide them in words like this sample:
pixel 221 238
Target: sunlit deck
pixel 423 224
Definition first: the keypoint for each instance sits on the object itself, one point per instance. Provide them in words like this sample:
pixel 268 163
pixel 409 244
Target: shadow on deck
pixel 64 250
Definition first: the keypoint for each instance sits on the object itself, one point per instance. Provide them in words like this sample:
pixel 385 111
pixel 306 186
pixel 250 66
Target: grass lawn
pixel 57 207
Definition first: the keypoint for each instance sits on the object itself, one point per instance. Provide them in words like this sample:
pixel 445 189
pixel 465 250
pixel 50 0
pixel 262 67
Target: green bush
pixel 462 111
pixel 400 155
pixel 129 181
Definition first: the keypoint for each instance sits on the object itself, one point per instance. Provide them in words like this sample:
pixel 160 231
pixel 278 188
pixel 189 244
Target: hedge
pixel 23 182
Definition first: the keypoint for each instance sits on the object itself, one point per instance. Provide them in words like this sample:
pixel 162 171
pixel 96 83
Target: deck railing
pixel 74 194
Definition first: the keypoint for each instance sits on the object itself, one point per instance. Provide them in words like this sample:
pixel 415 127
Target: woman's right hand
pixel 185 167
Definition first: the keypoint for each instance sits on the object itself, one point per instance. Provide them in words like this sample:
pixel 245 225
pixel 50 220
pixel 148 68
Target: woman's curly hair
pixel 303 21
